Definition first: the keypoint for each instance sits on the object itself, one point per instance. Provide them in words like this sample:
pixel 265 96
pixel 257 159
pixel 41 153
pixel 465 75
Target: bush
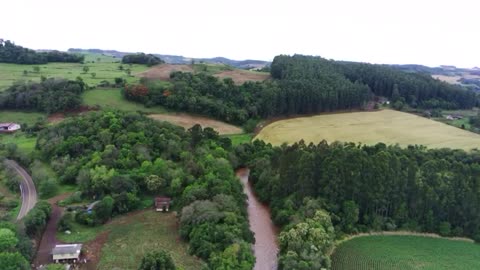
pixel 37 218
pixel 48 188
pixel 157 260
pixel 65 223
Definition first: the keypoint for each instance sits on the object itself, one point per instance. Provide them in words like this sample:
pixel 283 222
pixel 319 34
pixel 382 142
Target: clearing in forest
pixel 162 72
pixel 187 121
pixel 241 76
pixel 405 252
pixel 387 126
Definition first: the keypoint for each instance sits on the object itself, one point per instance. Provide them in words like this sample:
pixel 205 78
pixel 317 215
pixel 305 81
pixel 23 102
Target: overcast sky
pixel 378 31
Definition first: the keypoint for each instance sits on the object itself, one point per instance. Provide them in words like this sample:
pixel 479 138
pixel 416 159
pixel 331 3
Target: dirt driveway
pixel 49 239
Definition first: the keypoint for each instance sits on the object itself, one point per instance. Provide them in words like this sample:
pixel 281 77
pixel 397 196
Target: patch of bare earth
pixel 162 72
pixel 55 118
pixel 241 76
pixel 187 121
pixel 92 251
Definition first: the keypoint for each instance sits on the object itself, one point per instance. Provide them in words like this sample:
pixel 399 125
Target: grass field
pixel 240 138
pixel 105 69
pixel 387 126
pixel 29 118
pixel 131 236
pixel 112 98
pixel 405 253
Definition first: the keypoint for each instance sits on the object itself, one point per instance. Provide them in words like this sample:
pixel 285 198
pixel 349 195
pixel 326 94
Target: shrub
pixel 157 260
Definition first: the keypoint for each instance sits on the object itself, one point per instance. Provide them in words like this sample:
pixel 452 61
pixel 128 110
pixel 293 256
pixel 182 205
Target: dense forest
pixel 301 85
pixel 122 157
pixel 363 188
pixel 50 95
pixel 415 89
pixel 11 53
pixel 141 58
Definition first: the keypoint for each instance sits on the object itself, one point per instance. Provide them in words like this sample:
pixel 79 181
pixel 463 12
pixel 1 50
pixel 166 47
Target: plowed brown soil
pixel 163 71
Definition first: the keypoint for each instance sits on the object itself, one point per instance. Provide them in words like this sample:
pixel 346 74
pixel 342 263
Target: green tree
pixel 157 260
pixel 93 74
pixel 8 240
pixel 103 210
pixel 48 188
pixel 236 256
pixel 305 245
pixel 85 69
pixel 13 261
pixel 36 69
pixel 154 183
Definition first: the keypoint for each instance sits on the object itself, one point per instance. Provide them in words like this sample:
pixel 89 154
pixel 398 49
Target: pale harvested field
pixel 387 126
pixel 241 76
pixel 162 72
pixel 455 79
pixel 448 79
pixel 187 121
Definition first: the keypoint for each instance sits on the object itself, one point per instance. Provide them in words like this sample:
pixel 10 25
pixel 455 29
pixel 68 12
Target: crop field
pixel 405 253
pixel 104 67
pixel 187 121
pixel 112 98
pixel 387 126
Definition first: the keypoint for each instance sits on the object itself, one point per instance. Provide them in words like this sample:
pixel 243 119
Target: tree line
pixel 116 157
pixel 11 53
pixel 143 59
pixel 50 95
pixel 362 188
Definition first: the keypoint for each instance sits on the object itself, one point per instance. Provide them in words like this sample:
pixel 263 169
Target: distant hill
pixel 469 78
pixel 178 59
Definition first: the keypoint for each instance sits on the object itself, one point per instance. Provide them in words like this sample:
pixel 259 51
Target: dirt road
pixel 49 239
pixel 266 245
pixel 27 188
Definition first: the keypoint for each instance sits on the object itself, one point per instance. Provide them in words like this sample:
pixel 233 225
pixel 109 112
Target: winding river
pixel 266 244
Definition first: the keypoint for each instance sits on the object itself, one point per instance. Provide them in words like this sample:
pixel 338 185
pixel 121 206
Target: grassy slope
pixel 386 126
pixel 405 252
pixel 112 98
pixel 105 69
pixel 132 235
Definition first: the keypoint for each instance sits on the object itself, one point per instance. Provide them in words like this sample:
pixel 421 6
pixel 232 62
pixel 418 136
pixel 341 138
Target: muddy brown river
pixel 266 244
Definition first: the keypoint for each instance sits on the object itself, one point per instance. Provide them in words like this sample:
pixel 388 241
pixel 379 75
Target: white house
pixel 9 127
pixel 70 252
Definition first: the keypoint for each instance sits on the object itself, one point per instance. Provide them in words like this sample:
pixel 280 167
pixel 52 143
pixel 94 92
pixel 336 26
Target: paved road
pixel 27 188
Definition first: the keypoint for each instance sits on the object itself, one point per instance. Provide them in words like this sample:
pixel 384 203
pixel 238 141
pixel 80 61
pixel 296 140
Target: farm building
pixel 162 203
pixel 9 127
pixel 70 252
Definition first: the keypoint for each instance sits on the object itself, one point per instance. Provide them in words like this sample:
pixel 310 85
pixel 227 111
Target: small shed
pixel 162 203
pixel 70 252
pixel 9 127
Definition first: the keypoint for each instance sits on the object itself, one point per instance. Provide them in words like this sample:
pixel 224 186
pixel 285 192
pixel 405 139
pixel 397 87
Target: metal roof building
pixel 66 252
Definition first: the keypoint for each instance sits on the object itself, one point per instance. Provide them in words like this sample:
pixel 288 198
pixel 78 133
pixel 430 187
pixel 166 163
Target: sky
pixel 442 32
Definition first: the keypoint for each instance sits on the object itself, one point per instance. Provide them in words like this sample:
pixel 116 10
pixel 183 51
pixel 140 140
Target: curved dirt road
pixel 27 188
pixel 266 244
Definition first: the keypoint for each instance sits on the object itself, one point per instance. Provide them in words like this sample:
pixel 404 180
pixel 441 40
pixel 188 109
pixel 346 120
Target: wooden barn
pixel 162 204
